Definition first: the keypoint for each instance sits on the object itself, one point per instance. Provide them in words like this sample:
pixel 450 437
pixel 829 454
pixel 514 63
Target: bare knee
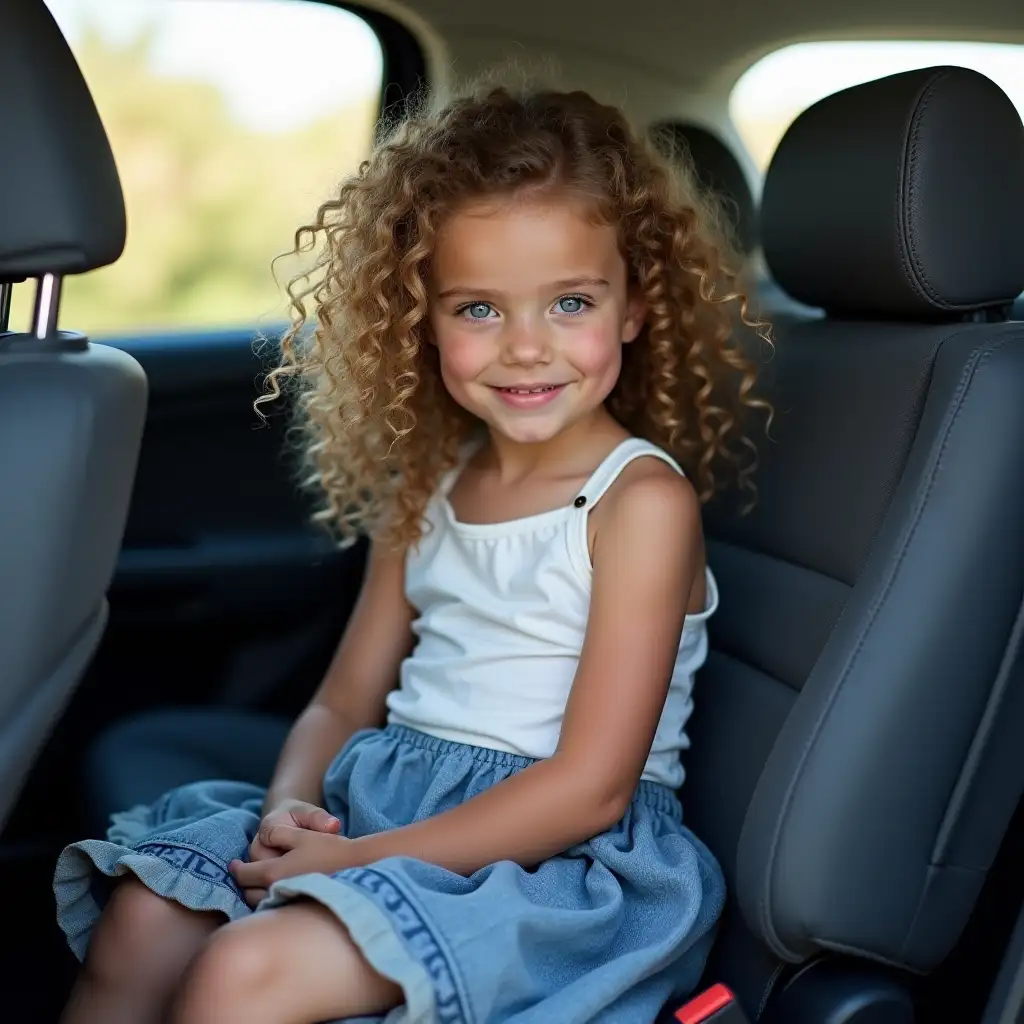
pixel 136 933
pixel 235 964
pixel 294 962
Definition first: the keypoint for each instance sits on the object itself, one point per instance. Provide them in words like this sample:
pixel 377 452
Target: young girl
pixel 519 315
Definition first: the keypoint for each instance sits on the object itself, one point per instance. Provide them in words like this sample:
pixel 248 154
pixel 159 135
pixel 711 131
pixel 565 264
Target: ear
pixel 636 315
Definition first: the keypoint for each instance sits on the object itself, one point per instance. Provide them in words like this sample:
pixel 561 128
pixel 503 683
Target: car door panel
pixel 217 528
pixel 220 565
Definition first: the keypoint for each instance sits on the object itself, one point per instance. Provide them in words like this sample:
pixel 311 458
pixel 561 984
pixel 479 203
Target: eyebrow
pixel 573 282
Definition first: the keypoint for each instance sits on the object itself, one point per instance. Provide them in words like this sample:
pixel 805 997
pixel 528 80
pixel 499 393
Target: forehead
pixel 521 244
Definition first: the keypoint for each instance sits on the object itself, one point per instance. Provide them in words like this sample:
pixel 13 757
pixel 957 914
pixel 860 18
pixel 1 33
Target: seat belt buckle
pixel 716 1005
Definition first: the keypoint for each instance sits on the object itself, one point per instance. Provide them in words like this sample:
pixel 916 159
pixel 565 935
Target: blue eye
pixel 571 305
pixel 477 311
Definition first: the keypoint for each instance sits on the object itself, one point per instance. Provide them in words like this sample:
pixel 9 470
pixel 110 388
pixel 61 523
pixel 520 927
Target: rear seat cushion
pixel 137 760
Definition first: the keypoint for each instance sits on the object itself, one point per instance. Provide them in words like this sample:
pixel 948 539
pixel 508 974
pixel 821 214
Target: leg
pixel 137 954
pixel 293 965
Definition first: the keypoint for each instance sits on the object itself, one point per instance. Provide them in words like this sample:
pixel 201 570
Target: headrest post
pixel 6 294
pixel 44 317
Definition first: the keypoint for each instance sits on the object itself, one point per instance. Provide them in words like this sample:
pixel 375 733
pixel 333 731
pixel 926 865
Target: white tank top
pixel 502 614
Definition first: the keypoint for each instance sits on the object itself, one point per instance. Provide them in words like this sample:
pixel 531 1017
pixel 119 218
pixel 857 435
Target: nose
pixel 526 344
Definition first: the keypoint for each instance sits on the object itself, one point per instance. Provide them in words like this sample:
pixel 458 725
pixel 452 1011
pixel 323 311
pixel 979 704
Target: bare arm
pixel 352 694
pixel 647 553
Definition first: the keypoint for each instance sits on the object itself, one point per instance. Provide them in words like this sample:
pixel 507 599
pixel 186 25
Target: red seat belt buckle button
pixel 717 1005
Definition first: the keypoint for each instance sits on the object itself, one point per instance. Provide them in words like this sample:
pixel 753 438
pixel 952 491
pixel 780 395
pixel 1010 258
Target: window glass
pixel 228 129
pixel 770 95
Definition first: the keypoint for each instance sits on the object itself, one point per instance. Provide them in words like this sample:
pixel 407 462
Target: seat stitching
pixel 915 274
pixel 919 281
pixel 982 352
pixel 998 697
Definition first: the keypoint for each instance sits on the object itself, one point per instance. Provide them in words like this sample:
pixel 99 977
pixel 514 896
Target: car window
pixel 227 136
pixel 770 94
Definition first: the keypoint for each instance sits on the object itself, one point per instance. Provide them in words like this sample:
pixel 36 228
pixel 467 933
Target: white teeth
pixel 530 391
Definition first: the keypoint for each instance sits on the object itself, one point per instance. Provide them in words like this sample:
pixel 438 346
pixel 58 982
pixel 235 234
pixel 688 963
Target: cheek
pixel 596 352
pixel 463 356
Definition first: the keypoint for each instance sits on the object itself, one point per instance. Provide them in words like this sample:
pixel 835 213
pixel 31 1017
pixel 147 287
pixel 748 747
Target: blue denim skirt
pixel 608 931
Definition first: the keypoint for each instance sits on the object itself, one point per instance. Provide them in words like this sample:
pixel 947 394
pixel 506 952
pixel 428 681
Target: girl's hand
pixel 301 814
pixel 301 851
pixel 294 813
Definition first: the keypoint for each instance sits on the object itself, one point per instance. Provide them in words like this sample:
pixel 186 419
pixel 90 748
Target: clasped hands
pixel 295 838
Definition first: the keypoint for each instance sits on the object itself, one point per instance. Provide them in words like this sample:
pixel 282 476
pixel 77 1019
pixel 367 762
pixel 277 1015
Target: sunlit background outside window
pixel 229 129
pixel 768 97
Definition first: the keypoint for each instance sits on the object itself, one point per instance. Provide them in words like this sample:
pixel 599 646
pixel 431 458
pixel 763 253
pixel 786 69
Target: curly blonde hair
pixel 378 426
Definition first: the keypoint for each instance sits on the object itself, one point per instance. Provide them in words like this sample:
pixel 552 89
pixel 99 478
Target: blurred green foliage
pixel 210 202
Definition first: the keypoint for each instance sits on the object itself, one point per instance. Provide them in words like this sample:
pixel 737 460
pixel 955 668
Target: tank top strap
pixel 614 463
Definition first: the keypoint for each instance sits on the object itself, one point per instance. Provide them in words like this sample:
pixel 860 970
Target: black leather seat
pixel 856 754
pixel 141 757
pixel 856 746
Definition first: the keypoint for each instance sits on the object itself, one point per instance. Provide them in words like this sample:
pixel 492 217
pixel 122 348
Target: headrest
pixel 61 208
pixel 900 198
pixel 717 170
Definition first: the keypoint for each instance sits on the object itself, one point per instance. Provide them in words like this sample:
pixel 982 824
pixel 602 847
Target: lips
pixel 528 396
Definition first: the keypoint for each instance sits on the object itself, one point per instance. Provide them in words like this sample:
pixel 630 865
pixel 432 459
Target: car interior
pixel 167 607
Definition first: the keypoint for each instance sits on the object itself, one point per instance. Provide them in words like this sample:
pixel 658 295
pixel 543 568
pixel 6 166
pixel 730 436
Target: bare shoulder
pixel 648 525
pixel 652 501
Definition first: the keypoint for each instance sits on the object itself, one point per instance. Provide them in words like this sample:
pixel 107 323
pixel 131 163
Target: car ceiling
pixel 704 47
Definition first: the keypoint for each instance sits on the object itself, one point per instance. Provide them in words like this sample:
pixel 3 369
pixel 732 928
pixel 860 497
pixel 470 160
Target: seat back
pixel 71 413
pixel 856 754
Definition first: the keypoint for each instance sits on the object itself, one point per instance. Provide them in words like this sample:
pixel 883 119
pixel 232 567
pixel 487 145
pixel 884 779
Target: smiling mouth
pixel 525 397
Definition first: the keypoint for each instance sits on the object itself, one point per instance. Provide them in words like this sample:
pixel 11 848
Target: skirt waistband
pixel 653 794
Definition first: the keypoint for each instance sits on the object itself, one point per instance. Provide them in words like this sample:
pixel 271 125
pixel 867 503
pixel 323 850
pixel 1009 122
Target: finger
pixel 255 876
pixel 260 852
pixel 315 818
pixel 281 837
pixel 254 897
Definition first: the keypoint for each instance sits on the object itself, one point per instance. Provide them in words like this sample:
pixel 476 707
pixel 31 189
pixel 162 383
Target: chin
pixel 532 436
pixel 522 431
